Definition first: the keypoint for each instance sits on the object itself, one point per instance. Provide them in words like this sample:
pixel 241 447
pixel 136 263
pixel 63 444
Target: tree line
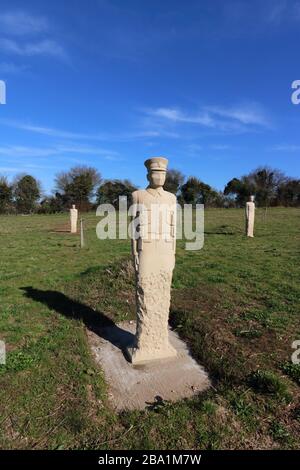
pixel 85 187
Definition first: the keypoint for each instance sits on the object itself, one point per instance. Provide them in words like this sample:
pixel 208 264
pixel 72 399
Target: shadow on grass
pixel 224 230
pixel 95 321
pixel 220 233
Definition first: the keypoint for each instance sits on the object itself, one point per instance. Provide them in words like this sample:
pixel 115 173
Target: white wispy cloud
pixel 20 23
pixel 297 11
pixel 43 130
pixel 286 148
pixel 195 148
pixel 176 115
pixel 281 12
pixel 27 167
pixel 19 151
pixel 9 169
pixel 86 150
pixel 257 17
pixel 239 118
pixel 276 12
pixel 27 35
pixel 11 68
pixel 24 151
pixel 248 113
pixel 44 47
pixel 101 136
pixel 220 147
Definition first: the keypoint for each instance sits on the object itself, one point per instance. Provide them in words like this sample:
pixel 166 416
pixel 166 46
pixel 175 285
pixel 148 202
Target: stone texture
pixel 152 326
pixel 74 219
pixel 154 258
pixel 139 386
pixel 250 215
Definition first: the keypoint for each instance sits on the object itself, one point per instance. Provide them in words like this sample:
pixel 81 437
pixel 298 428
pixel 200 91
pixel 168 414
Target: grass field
pixel 236 302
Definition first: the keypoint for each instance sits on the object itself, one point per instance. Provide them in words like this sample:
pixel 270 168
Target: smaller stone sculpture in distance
pixel 250 214
pixel 74 219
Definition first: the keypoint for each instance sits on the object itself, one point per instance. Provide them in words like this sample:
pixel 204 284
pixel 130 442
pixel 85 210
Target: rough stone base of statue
pixel 153 296
pixel 143 356
pixel 138 386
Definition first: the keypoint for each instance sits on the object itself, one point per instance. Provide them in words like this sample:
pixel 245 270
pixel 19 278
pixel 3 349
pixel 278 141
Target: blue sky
pixel 109 83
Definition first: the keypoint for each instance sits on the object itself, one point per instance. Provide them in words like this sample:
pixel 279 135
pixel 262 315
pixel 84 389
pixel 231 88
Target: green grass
pixel 292 370
pixel 266 381
pixel 236 303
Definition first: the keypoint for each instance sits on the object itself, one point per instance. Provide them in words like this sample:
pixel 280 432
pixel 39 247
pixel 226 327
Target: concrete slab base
pixel 134 387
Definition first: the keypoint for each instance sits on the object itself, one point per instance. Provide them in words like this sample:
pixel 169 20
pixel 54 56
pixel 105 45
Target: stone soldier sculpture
pixel 250 213
pixel 153 250
pixel 74 218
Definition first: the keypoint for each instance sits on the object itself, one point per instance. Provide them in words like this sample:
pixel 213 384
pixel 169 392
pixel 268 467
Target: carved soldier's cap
pixel 156 163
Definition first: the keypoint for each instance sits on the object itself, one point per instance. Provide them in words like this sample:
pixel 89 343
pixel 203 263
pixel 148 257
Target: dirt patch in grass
pixel 209 318
pixel 62 228
pixel 198 315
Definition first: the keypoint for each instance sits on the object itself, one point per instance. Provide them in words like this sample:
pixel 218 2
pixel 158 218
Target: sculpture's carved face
pixel 252 198
pixel 156 178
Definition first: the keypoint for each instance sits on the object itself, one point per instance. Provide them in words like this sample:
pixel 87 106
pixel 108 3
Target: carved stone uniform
pixel 154 256
pixel 73 218
pixel 250 213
